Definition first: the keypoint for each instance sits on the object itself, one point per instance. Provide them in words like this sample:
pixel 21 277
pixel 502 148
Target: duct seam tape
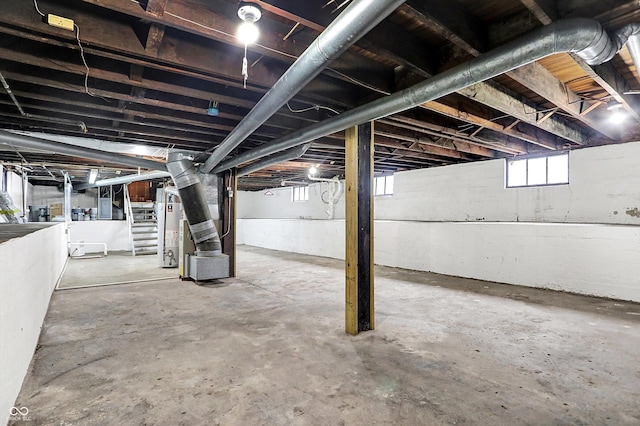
pixel 202 226
pixel 186 180
pixel 208 236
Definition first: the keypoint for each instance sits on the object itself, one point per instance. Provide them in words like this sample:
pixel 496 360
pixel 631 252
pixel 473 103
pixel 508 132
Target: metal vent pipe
pixel 24 141
pixel 124 179
pixel 585 37
pixel 287 155
pixel 632 32
pixel 186 179
pixel 354 22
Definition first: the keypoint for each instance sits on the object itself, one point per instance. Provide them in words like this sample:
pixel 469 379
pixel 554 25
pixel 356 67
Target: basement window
pixel 300 193
pixel 383 185
pixel 538 171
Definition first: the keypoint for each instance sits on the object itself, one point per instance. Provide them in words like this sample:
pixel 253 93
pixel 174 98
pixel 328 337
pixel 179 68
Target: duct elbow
pixel 203 230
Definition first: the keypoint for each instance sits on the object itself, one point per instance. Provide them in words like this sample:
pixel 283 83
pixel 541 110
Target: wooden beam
pixel 154 38
pixel 212 21
pixel 533 76
pixel 403 48
pixel 450 20
pixel 615 84
pixel 185 55
pixel 546 11
pixel 359 298
pixel 156 7
pixel 537 78
pixel 517 106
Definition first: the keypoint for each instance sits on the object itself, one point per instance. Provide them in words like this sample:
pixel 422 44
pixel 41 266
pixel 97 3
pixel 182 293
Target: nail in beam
pixel 359 314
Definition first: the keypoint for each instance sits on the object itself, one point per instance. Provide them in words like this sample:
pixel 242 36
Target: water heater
pixel 169 215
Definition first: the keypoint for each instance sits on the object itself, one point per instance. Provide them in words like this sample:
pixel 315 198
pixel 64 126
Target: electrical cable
pixel 35 3
pixel 84 60
pixel 229 214
pixel 314 107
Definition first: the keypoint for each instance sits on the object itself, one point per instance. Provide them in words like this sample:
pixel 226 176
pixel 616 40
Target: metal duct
pixel 186 179
pixel 80 124
pixel 287 155
pixel 585 37
pixel 354 22
pixel 633 44
pixel 124 179
pixel 17 140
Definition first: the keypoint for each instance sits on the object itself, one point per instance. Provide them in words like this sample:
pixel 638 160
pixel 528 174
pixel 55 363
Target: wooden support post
pixel 359 314
pixel 229 218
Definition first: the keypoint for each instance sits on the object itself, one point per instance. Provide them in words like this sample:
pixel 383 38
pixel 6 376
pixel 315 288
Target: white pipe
pixel 334 191
pixel 104 246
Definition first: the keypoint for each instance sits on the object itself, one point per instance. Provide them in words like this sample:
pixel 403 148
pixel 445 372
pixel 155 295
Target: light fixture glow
pixel 313 170
pixel 93 174
pixel 248 33
pixel 618 114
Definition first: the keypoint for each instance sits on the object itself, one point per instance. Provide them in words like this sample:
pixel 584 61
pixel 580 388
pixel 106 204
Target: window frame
pixel 382 178
pixel 526 170
pixel 301 198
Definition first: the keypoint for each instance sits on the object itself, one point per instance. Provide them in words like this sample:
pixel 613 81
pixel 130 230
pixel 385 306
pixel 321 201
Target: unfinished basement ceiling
pixel 156 65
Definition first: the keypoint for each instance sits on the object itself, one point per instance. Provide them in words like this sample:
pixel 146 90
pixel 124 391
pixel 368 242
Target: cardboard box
pixel 56 209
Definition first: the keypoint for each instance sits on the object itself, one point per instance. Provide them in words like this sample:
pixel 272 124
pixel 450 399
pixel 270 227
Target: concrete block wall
pixel 461 220
pixel 30 268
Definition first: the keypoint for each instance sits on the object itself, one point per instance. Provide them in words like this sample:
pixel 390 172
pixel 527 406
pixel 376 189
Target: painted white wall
pixel 277 203
pixel 314 237
pixel 115 233
pixel 44 195
pixel 31 267
pixel 604 188
pixel 15 190
pixel 461 220
pixel 598 260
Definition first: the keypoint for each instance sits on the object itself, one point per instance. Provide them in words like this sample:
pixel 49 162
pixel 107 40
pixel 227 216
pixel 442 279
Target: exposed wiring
pixel 84 60
pixel 279 52
pixel 35 3
pixel 314 107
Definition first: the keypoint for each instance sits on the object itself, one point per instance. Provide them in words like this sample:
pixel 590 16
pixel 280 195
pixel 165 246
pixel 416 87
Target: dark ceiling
pixel 155 66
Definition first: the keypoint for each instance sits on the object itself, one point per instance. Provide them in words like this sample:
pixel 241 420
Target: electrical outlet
pixel 60 22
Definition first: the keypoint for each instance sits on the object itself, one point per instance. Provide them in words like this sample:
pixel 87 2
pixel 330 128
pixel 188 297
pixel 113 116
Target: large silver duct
pixel 201 224
pixel 585 37
pixel 354 22
pixel 124 179
pixel 23 141
pixel 287 155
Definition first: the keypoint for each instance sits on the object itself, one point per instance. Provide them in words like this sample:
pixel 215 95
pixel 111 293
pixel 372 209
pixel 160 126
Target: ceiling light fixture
pixel 248 32
pixel 93 174
pixel 618 114
pixel 313 170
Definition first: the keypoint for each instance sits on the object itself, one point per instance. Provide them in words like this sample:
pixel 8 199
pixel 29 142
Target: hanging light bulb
pixel 617 113
pixel 247 31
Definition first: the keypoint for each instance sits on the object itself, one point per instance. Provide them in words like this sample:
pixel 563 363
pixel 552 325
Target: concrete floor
pixel 116 267
pixel 268 348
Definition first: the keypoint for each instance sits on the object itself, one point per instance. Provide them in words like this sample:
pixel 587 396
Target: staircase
pixel 143 226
